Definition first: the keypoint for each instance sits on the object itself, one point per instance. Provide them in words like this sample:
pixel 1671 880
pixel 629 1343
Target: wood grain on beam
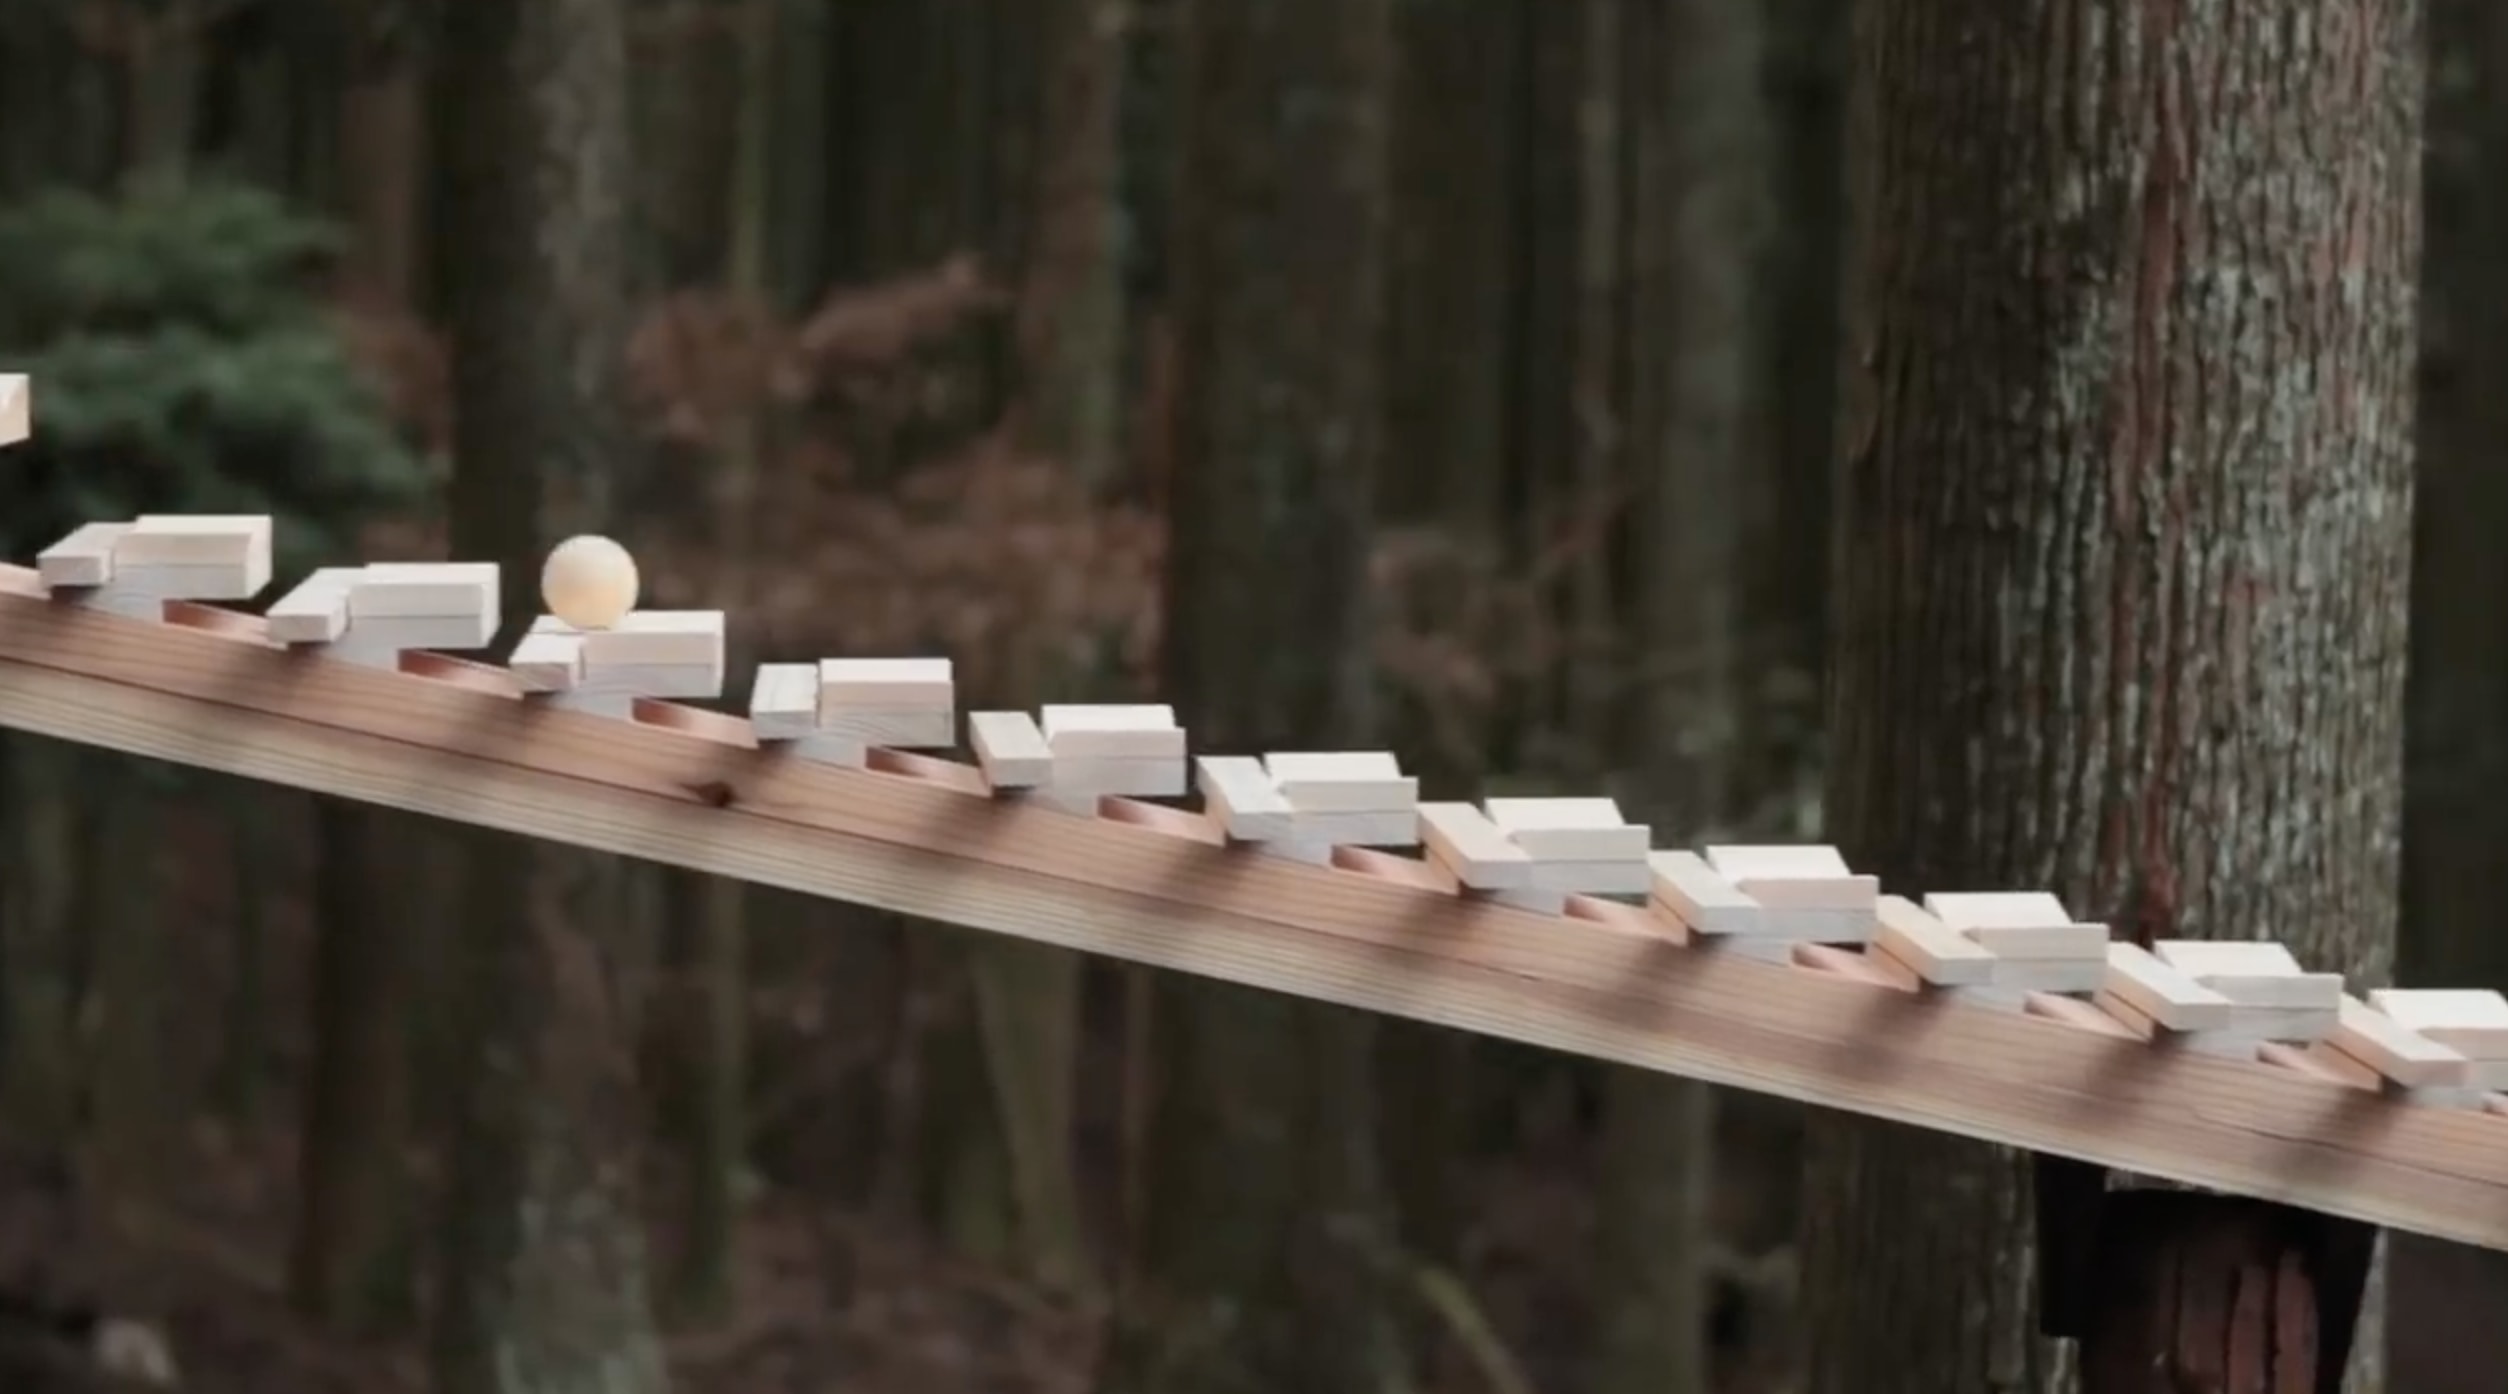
pixel 916 838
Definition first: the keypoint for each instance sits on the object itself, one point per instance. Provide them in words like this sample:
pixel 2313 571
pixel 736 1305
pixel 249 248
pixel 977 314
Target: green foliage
pixel 183 364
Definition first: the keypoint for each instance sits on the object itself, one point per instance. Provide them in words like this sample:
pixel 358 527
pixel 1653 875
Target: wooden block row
pixel 137 566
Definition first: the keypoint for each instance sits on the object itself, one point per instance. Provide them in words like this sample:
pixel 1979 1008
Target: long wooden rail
pixel 1161 886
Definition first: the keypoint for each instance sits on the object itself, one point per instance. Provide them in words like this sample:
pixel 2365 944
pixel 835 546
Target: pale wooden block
pixel 1161 777
pixel 917 729
pixel 1534 899
pixel 1113 731
pixel 1687 888
pixel 1572 830
pixel 1808 876
pixel 420 631
pixel 1384 828
pixel 1969 910
pixel 197 539
pixel 2253 974
pixel 1801 925
pixel 659 680
pixel 17 408
pixel 2073 942
pixel 657 639
pixel 406 590
pixel 1347 781
pixel 2070 975
pixel 2162 993
pixel 1238 794
pixel 223 581
pixel 549 658
pixel 2394 1050
pixel 784 701
pixel 316 611
pixel 1463 840
pixel 2289 1024
pixel 1010 749
pixel 1937 953
pixel 1617 876
pixel 84 558
pixel 887 684
pixel 2473 1022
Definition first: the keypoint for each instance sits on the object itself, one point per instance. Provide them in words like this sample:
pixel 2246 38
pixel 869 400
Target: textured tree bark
pixel 543 1273
pixel 2125 535
pixel 1262 1256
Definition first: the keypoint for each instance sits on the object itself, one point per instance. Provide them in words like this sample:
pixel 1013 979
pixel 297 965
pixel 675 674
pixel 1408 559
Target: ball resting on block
pixel 589 582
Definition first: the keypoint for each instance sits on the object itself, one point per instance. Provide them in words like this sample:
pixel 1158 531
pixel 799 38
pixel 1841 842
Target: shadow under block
pixel 1010 749
pixel 205 689
pixel 17 408
pixel 1355 781
pixel 1112 732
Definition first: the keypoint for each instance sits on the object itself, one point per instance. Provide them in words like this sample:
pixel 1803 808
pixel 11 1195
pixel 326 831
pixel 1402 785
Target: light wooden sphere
pixel 589 582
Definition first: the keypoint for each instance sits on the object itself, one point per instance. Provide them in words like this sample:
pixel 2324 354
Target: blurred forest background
pixel 1453 374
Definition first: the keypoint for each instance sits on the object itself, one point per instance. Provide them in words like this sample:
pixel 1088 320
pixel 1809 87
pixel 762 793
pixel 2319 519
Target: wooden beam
pixel 1159 886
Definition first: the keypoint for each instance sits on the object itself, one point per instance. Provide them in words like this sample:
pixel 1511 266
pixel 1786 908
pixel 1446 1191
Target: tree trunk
pixel 544 1282
pixel 2125 513
pixel 1679 382
pixel 1266 1221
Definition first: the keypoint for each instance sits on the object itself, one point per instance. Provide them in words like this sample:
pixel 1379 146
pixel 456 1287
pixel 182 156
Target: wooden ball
pixel 589 582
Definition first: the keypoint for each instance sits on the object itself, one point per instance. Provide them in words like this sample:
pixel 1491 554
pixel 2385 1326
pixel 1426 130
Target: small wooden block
pixel 1620 876
pixel 2071 942
pixel 657 680
pixel 2160 992
pixel 1345 781
pixel 1010 748
pixel 2473 1022
pixel 1398 828
pixel 549 658
pixel 1967 910
pixel 2048 974
pixel 657 639
pixel 1461 837
pixel 2253 974
pixel 407 590
pixel 2409 1058
pixel 421 631
pixel 17 408
pixel 887 684
pixel 784 701
pixel 84 558
pixel 1570 830
pixel 930 728
pixel 1239 796
pixel 197 539
pixel 316 611
pixel 1808 876
pixel 1689 890
pixel 1112 731
pixel 1161 777
pixel 1937 953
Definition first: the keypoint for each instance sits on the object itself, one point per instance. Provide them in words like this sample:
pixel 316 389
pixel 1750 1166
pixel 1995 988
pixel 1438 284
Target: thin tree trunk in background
pixel 356 1120
pixel 1690 157
pixel 118 914
pixel 1267 1234
pixel 1071 309
pixel 544 1270
pixel 2455 823
pixel 382 150
pixel 2121 601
